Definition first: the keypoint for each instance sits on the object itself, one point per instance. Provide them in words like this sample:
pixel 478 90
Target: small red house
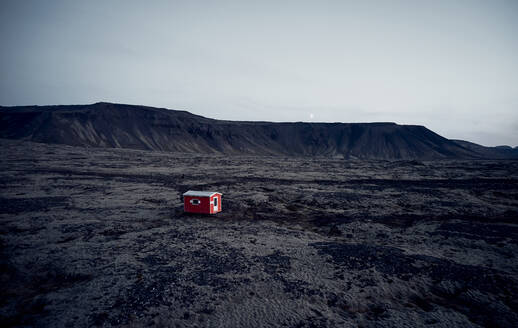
pixel 206 202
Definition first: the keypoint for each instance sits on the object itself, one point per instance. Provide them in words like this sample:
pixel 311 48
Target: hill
pixel 138 127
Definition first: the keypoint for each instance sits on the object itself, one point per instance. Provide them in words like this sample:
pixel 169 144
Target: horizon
pixel 258 121
pixel 450 67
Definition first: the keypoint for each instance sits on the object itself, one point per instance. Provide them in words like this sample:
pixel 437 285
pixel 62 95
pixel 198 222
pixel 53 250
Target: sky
pixel 451 66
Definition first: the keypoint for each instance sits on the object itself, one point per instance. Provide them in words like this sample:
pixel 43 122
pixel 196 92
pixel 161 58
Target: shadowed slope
pixel 139 127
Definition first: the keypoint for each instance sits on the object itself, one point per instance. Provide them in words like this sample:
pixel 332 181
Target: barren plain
pixel 98 237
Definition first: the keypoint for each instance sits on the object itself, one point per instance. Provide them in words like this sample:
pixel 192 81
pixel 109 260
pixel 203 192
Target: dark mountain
pixel 489 152
pixel 139 127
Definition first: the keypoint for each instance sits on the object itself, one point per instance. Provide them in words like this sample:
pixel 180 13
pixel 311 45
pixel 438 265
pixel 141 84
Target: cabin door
pixel 215 201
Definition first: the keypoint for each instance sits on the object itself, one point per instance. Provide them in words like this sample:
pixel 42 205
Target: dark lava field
pixel 98 237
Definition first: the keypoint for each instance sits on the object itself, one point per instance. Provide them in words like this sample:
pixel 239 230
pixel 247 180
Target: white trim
pixel 192 201
pixel 215 203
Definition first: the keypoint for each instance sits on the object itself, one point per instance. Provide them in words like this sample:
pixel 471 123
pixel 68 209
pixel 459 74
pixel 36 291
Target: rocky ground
pixel 98 237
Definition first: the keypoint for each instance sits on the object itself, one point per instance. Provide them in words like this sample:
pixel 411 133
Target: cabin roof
pixel 200 193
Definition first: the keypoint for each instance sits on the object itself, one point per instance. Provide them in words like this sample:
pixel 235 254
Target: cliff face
pixel 139 127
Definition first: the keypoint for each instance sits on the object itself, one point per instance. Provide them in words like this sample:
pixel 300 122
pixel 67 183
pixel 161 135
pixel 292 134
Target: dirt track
pixel 93 237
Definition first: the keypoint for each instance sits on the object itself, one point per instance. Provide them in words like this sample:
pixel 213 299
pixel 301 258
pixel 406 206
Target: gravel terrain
pixel 98 237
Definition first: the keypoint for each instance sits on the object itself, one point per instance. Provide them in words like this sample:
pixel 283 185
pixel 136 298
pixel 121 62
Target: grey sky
pixel 449 65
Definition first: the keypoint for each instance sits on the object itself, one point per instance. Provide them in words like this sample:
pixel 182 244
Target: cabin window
pixel 195 201
pixel 215 201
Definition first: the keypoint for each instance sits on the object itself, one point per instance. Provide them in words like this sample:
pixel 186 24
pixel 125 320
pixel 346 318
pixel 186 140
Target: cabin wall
pixel 219 203
pixel 203 207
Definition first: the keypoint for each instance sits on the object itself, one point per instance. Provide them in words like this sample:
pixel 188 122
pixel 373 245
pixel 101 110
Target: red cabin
pixel 206 202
